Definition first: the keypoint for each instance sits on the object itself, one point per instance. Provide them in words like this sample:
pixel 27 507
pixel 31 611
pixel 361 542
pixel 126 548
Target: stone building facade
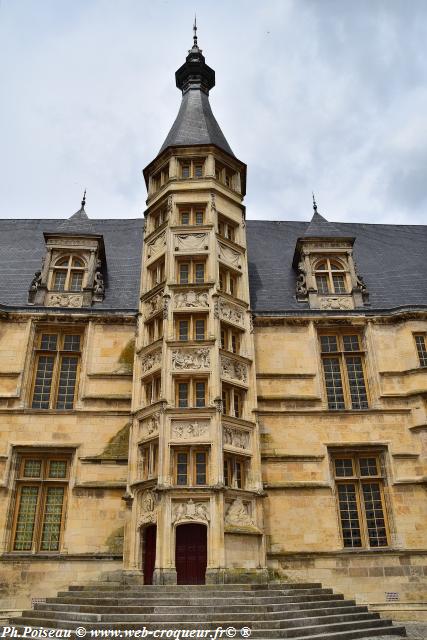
pixel 200 398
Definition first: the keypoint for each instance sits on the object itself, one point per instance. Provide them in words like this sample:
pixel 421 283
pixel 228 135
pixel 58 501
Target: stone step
pixel 372 633
pixel 214 588
pixel 173 598
pixel 341 606
pixel 327 630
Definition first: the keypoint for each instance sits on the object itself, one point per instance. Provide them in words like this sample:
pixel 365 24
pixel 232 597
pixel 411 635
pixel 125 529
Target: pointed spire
pixel 195 32
pixel 314 203
pixel 319 227
pixel 84 200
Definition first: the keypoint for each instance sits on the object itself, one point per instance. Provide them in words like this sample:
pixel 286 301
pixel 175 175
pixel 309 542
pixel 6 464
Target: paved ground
pixel 414 630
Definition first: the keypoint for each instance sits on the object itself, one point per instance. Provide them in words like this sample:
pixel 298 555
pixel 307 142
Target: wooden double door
pixel 191 553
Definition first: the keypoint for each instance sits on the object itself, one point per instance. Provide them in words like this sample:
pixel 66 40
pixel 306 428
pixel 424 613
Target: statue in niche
pixel 98 283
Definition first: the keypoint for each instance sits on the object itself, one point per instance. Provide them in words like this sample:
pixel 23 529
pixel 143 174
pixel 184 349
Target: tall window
pixel 158 218
pixel 41 491
pixel 190 393
pixel 360 489
pixel 160 178
pixel 226 228
pixel 225 175
pixel 57 360
pixel 234 472
pixel 228 281
pixel 330 276
pixel 68 274
pixel 343 369
pixel 156 272
pixel 155 329
pixel 190 328
pixel 232 401
pixel 190 466
pixel 230 338
pixel 152 390
pixel 420 341
pixel 148 460
pixel 191 271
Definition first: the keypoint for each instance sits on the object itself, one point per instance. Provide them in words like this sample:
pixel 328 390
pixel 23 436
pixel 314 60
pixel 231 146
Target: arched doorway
pixel 191 553
pixel 149 552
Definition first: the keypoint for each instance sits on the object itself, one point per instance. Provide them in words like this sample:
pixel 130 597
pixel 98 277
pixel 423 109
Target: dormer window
pixel 68 274
pixel 330 276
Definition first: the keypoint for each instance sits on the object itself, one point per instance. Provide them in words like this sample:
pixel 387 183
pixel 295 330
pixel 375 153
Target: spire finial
pixel 195 31
pixel 314 204
pixel 84 200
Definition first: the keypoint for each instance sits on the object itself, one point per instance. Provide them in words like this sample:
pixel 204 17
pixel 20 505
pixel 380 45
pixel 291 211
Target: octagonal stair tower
pixel 195 489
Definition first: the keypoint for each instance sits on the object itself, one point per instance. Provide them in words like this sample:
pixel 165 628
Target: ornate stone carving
pixel 166 301
pixel 213 203
pixel 238 515
pixel 150 426
pixel 98 284
pixel 169 205
pixel 230 255
pixel 154 304
pixel 188 430
pixel 190 511
pixel 147 508
pixel 191 358
pixel 219 405
pixel 231 368
pixel 151 360
pixel 156 245
pixel 36 281
pixel 192 299
pixel 191 242
pixel 231 312
pixel 361 284
pixel 64 300
pixel 335 302
pixel 236 437
pixel 301 286
pixel 251 322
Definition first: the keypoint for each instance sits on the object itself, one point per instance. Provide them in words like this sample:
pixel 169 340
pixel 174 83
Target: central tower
pixel 195 488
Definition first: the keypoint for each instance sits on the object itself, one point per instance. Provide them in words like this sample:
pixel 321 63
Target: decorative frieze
pixel 151 360
pixel 236 437
pixel 238 514
pixel 191 299
pixel 150 426
pixel 189 430
pixel 64 300
pixel 156 245
pixel 229 311
pixel 234 369
pixel 154 304
pixel 191 358
pixel 335 303
pixel 191 242
pixel 229 255
pixel 190 510
pixel 147 508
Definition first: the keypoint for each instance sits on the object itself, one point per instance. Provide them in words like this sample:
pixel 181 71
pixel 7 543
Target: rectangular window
pixel 57 360
pixel 232 400
pixel 191 393
pixel 157 273
pixel 191 168
pixel 199 217
pixel 234 472
pixel 322 283
pixel 185 217
pixel 183 273
pixel 200 272
pixel 226 228
pixel 200 329
pixel 39 511
pixel 420 341
pixel 183 330
pixel 192 215
pixel 343 370
pixel 224 174
pixel 228 281
pixel 191 467
pixel 155 329
pixel 190 328
pixel 148 458
pixel 152 390
pixel 158 218
pixel 360 489
pixel 191 271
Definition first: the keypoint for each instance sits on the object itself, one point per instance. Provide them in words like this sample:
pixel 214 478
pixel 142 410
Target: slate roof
pixel 392 260
pixel 195 124
pixel 22 248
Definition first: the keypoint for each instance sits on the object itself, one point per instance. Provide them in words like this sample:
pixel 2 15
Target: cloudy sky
pixel 323 95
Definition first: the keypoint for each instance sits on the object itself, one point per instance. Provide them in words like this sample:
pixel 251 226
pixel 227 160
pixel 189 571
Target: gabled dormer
pixel 73 269
pixel 327 274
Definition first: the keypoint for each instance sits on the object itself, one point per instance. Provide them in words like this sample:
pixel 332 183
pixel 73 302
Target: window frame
pixel 193 211
pixel 149 451
pixel 152 389
pixel 228 281
pixel 420 340
pixel 43 482
pixel 57 354
pixel 231 477
pixel 192 320
pixel 191 397
pixel 192 263
pixel 191 465
pixel 328 273
pixel 229 335
pixel 358 480
pixel 229 395
pixel 342 355
pixel 155 328
pixel 69 270
pixel 193 164
pixel 157 272
pixel 227 229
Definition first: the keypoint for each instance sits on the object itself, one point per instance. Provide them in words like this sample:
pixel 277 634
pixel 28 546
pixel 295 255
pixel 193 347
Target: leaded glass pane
pixel 200 272
pixel 43 382
pixel 67 382
pixel 200 468
pixel 182 469
pixel 59 280
pixel 339 283
pixel 49 341
pixel 333 383
pixel 72 343
pixel 32 468
pixel 329 344
pixel 26 519
pixel 183 394
pixel 343 467
pixel 200 394
pixel 349 515
pixel 374 514
pixel 52 519
pixel 57 469
pixel 368 466
pixel 76 281
pixel 351 343
pixel 77 262
pixel 322 284
pixel 422 350
pixel 356 381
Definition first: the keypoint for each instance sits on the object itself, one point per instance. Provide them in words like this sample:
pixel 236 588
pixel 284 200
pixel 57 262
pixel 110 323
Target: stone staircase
pixel 270 611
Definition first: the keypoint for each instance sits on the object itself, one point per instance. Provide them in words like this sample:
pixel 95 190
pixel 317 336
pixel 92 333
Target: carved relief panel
pixel 150 426
pixel 230 312
pixel 233 369
pixel 191 242
pixel 190 510
pixel 151 360
pixel 188 359
pixel 230 256
pixel 191 300
pixel 238 438
pixel 189 430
